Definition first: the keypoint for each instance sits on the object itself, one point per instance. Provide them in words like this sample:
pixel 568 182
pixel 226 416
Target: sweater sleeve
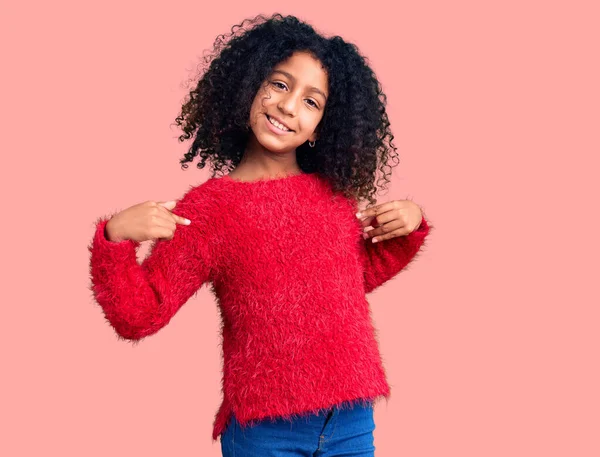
pixel 385 259
pixel 139 299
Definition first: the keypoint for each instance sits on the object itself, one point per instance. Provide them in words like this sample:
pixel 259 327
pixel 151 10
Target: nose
pixel 288 105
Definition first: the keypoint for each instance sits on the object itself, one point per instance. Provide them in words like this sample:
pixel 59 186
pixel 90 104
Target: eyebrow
pixel 313 89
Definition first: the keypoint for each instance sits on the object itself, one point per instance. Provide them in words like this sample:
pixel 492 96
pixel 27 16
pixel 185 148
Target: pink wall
pixel 490 340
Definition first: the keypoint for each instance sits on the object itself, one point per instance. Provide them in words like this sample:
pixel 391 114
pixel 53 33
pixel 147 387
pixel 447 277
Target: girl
pixel 299 122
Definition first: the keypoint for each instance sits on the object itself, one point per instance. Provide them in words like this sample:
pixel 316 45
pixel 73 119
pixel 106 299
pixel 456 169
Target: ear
pixel 315 134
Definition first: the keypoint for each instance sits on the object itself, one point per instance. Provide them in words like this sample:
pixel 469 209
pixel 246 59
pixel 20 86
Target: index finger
pixel 181 220
pixel 374 210
pixel 176 218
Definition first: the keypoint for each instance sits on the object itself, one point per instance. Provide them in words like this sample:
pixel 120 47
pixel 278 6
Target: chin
pixel 275 146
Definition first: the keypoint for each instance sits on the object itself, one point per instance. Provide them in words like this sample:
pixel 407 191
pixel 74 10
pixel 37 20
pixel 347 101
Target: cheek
pixel 311 122
pixel 258 106
pixel 255 112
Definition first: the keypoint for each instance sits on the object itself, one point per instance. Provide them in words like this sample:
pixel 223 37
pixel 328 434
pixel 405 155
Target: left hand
pixel 390 219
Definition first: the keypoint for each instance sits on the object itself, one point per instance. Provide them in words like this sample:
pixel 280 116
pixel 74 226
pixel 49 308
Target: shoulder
pixel 198 200
pixel 204 192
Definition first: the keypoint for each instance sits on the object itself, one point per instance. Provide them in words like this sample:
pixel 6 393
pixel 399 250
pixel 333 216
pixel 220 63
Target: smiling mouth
pixel 269 117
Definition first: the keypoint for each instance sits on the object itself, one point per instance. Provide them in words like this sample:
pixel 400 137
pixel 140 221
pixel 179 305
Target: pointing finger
pixel 178 219
pixel 181 220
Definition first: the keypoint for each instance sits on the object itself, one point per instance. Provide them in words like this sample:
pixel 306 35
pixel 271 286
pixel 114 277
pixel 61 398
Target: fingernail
pixel 188 222
pixel 359 215
pixel 375 240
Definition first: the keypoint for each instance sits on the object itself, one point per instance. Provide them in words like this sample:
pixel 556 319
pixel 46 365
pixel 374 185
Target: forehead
pixel 304 68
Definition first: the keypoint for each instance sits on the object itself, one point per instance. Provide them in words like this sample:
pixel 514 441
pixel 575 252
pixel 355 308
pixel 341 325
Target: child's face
pixel 298 91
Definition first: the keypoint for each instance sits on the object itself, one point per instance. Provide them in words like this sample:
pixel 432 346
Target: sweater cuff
pixel 118 250
pixel 422 230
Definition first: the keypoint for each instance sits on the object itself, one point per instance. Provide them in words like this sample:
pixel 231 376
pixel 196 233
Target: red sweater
pixel 289 268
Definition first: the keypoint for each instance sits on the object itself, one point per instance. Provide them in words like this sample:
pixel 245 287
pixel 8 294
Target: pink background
pixel 490 340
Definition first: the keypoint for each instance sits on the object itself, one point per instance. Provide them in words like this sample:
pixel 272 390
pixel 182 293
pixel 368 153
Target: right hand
pixel 145 221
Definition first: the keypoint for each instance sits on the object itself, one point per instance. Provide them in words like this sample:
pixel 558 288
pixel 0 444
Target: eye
pixel 282 86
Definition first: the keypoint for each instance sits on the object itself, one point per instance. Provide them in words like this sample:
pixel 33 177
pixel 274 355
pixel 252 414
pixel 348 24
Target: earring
pixel 312 143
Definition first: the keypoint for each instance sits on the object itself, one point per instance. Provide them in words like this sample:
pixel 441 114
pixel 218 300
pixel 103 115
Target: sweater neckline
pixel 280 179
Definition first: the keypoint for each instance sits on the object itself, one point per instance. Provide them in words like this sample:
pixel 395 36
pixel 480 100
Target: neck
pixel 259 161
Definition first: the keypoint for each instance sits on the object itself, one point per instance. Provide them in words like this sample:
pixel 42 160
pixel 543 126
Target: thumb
pixel 169 205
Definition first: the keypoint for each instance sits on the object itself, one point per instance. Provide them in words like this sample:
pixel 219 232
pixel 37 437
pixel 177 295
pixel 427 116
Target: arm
pixel 384 260
pixel 140 299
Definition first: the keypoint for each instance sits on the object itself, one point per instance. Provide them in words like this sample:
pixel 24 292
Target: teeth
pixel 277 124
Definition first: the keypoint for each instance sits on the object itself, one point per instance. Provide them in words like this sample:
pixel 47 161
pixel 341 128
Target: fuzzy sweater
pixel 287 263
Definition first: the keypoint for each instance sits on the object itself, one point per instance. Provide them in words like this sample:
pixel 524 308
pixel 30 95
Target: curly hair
pixel 354 133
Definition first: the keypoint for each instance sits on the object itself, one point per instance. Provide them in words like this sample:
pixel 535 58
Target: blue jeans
pixel 345 430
